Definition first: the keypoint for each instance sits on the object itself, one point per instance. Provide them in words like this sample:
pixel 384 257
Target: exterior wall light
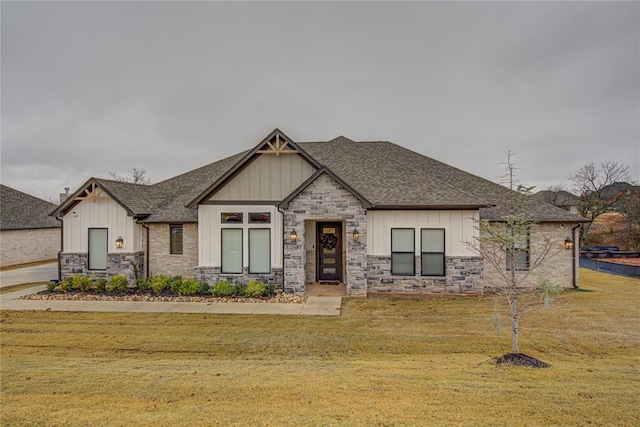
pixel 568 243
pixel 356 235
pixel 294 236
pixel 119 242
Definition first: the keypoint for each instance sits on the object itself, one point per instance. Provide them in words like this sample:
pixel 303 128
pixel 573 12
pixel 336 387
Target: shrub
pixel 223 289
pixel 143 285
pixel 81 283
pixel 270 290
pixel 176 284
pixel 204 289
pixel 101 286
pixel 239 289
pixel 255 289
pixel 52 285
pixel 118 284
pixel 160 283
pixel 66 285
pixel 188 287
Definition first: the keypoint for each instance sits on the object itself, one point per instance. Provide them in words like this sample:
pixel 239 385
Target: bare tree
pixel 594 184
pixel 135 175
pixel 507 247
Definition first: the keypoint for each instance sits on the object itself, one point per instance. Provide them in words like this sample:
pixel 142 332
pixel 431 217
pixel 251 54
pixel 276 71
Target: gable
pixel 271 176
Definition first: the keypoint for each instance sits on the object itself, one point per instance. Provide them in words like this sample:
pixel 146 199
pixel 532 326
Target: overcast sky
pixel 92 87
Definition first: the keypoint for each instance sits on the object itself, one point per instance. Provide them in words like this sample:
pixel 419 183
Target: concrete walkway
pixel 39 273
pixel 314 306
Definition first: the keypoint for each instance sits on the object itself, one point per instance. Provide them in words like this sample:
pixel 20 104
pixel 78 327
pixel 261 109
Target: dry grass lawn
pixel 385 362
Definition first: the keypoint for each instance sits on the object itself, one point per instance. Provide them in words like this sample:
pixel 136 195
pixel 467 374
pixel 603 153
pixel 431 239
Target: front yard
pixel 385 361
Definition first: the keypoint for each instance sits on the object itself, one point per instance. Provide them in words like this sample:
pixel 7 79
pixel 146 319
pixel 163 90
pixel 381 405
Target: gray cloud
pixel 89 87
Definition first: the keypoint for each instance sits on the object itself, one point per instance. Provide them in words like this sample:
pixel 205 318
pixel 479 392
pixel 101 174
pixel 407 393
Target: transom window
pixel 232 217
pixel 432 252
pixel 402 251
pixel 259 218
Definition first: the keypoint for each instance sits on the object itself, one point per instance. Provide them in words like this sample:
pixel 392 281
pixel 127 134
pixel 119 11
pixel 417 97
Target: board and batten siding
pixel 209 234
pixel 103 213
pixel 459 227
pixel 268 177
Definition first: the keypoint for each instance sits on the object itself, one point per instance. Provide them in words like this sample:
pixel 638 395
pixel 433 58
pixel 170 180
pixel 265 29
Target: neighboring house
pixel 373 215
pixel 27 232
pixel 561 198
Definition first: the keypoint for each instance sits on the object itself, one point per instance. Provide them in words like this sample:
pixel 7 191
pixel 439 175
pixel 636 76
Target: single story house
pixel 372 215
pixel 27 232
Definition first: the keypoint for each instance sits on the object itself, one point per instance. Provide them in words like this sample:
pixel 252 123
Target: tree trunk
pixel 513 303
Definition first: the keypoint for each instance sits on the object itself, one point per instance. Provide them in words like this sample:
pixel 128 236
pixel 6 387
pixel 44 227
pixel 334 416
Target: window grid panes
pixel 403 251
pixel 176 239
pixel 231 250
pixel 259 250
pixel 432 256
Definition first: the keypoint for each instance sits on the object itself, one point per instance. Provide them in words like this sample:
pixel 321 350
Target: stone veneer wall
pixel 557 265
pixel 24 246
pixel 75 264
pixel 325 199
pixel 161 261
pixel 212 275
pixel 311 265
pixel 463 276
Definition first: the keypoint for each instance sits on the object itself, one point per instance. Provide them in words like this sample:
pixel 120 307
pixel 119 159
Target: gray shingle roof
pixel 20 211
pixel 385 174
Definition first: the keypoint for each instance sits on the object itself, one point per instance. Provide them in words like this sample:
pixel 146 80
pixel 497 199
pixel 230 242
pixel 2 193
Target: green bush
pixel 101 286
pixel 255 289
pixel 223 289
pixel 176 284
pixel 239 289
pixel 52 285
pixel 204 289
pixel 118 284
pixel 66 285
pixel 82 283
pixel 160 283
pixel 143 285
pixel 270 290
pixel 188 287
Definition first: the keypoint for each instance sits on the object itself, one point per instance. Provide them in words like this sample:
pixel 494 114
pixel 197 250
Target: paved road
pixel 40 273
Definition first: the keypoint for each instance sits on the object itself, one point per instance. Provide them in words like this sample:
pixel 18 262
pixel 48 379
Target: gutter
pixel 61 248
pixel 576 248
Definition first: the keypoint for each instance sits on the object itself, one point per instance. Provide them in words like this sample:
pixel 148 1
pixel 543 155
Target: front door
pixel 329 250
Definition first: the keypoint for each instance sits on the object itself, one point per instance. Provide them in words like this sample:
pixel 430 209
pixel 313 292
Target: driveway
pixel 40 273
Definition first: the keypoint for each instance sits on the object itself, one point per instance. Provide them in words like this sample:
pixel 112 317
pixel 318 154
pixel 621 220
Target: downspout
pixel 576 247
pixel 146 270
pixel 61 248
pixel 283 273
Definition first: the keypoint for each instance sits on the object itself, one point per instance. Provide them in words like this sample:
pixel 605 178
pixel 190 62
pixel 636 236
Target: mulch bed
pixel 147 297
pixel 520 359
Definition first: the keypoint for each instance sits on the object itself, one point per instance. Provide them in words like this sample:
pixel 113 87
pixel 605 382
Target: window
pixel 520 252
pixel 175 245
pixel 259 218
pixel 232 217
pixel 232 250
pixel 259 250
pixel 98 249
pixel 402 251
pixel 432 251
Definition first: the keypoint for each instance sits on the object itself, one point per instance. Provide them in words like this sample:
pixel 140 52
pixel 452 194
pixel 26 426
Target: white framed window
pixel 175 239
pixel 98 247
pixel 259 250
pixel 403 251
pixel 231 250
pixel 432 251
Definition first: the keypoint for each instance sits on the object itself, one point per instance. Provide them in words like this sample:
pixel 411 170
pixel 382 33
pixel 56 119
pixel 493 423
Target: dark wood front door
pixel 329 250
